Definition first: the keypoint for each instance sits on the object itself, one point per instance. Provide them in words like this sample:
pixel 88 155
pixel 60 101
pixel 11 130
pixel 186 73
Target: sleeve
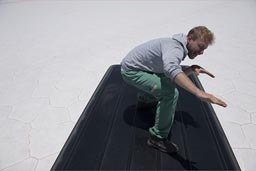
pixel 172 57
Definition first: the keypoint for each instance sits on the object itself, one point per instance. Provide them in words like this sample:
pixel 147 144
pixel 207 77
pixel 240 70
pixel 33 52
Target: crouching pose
pixel 154 67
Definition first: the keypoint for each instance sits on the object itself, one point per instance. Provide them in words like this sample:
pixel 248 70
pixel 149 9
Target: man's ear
pixel 189 38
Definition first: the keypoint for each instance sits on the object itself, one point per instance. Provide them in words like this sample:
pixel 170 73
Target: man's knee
pixel 176 93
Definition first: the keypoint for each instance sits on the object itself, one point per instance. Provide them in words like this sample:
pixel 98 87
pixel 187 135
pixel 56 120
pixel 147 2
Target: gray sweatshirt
pixel 162 55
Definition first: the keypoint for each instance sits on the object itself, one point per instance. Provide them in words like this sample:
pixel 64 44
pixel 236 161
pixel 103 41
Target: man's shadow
pixel 145 118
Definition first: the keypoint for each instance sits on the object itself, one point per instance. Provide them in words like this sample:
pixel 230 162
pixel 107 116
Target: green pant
pixel 164 90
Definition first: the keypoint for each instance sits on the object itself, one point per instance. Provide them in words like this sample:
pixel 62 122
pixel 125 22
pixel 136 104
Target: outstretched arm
pixel 183 81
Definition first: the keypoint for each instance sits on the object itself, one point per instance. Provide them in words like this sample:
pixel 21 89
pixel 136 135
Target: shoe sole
pixel 160 149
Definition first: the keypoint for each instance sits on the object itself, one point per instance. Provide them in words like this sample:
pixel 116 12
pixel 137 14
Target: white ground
pixel 54 53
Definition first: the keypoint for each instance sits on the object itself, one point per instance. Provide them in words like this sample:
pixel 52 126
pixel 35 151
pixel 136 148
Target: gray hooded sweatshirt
pixel 162 55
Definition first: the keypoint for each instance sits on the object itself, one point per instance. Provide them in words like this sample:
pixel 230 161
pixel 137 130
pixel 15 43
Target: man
pixel 154 67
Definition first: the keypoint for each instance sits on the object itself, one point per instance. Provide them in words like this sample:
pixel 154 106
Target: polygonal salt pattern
pixel 4 112
pixel 28 164
pixel 29 73
pixel 13 151
pixel 245 101
pixel 44 89
pixel 86 94
pixel 52 56
pixel 233 114
pixel 235 135
pixel 27 110
pixel 50 72
pixel 249 131
pixel 76 109
pixel 245 67
pixel 212 85
pixel 13 130
pixel 248 76
pixel 245 86
pixel 76 78
pixel 246 158
pixel 14 141
pixel 60 98
pixel 17 92
pixel 46 163
pixel 253 116
pixel 223 71
pixel 5 84
pixel 50 116
pixel 49 140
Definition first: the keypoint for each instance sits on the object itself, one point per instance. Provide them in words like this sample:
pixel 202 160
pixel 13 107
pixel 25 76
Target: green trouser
pixel 164 91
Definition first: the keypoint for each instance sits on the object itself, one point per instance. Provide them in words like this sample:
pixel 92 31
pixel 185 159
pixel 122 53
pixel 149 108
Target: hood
pixel 182 39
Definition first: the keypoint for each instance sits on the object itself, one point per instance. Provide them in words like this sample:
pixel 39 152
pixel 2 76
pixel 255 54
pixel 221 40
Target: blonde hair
pixel 202 32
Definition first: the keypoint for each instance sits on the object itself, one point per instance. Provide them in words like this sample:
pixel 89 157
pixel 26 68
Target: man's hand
pixel 183 81
pixel 197 70
pixel 211 98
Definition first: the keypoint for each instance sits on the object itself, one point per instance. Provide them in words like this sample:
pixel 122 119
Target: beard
pixel 192 55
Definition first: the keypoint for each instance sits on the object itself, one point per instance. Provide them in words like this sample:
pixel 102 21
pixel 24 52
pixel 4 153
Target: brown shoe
pixel 163 145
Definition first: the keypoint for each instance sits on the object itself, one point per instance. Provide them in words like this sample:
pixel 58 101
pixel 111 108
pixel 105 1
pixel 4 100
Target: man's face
pixel 195 47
